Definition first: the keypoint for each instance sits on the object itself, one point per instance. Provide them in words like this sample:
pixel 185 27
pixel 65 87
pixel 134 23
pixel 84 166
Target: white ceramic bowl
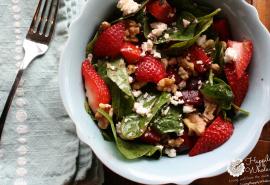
pixel 245 23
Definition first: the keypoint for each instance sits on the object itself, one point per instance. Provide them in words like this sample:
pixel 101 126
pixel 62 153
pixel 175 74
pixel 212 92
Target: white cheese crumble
pixel 158 29
pixel 199 62
pixel 171 152
pixel 166 36
pixel 200 84
pixel 136 93
pixel 130 79
pixel 165 111
pixel 139 109
pixel 128 6
pixel 148 46
pixel 188 109
pixel 186 23
pixel 230 55
pixel 201 40
pixel 176 99
pixel 156 54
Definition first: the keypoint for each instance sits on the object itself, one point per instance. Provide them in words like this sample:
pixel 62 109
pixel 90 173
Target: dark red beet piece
pixel 172 70
pixel 194 83
pixel 200 59
pixel 189 142
pixel 151 137
pixel 192 97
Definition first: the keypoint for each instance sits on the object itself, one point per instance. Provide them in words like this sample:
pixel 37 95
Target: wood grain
pixel 262 148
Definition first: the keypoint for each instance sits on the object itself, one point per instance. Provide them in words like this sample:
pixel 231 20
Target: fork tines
pixel 43 23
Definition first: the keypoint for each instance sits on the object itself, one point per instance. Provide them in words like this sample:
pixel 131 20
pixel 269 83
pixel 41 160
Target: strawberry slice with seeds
pixel 150 69
pixel 97 90
pixel 161 10
pixel 221 26
pixel 200 59
pixel 110 41
pixel 130 52
pixel 243 51
pixel 239 86
pixel 214 136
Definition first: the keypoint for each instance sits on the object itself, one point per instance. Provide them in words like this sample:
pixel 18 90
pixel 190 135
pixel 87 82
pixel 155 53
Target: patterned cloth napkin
pixel 39 143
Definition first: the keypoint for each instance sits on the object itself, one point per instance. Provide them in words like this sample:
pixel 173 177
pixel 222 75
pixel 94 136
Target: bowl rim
pixel 107 163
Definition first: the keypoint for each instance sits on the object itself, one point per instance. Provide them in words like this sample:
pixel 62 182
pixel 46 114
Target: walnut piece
pixel 175 143
pixel 138 85
pixel 131 69
pixel 209 110
pixel 133 29
pixel 104 25
pixel 167 84
pixel 187 66
pixel 183 73
pixel 216 68
pixel 195 123
pixel 103 123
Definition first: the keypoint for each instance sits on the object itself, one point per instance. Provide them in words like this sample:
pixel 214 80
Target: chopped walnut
pixel 216 68
pixel 131 69
pixel 167 84
pixel 104 25
pixel 138 85
pixel 183 73
pixel 188 66
pixel 195 123
pixel 175 143
pixel 132 30
pixel 103 123
pixel 209 44
pixel 209 110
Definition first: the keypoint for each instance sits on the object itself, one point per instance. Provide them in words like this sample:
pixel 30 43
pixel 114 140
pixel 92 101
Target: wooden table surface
pixel 262 148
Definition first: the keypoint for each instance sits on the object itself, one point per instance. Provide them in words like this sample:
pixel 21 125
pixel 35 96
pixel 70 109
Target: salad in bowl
pixel 165 78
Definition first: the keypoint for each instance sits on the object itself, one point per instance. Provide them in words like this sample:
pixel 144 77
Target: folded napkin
pixel 39 143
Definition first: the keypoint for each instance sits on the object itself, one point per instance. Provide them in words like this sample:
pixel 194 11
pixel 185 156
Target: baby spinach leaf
pixel 90 45
pixel 220 53
pixel 143 19
pixel 122 97
pixel 219 93
pixel 131 150
pixel 169 122
pixel 134 125
pixel 211 15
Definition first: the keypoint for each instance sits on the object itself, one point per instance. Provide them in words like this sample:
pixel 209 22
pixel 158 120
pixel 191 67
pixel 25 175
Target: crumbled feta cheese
pixel 136 93
pixel 181 132
pixel 188 109
pixel 176 99
pixel 145 95
pixel 186 23
pixel 165 111
pixel 139 109
pixel 230 55
pixel 200 84
pixel 146 46
pixel 158 29
pixel 178 94
pixel 128 6
pixel 166 36
pixel 201 40
pixel 199 62
pixel 130 79
pixel 156 54
pixel 171 152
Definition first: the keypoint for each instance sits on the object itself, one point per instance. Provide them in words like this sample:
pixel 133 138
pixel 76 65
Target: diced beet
pixel 172 70
pixel 189 142
pixel 200 59
pixel 192 97
pixel 194 83
pixel 151 137
pixel 221 26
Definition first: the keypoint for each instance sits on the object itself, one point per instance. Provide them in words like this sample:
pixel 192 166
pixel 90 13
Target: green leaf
pixel 90 45
pixel 122 97
pixel 211 15
pixel 169 122
pixel 242 111
pixel 143 19
pixel 131 150
pixel 220 53
pixel 134 125
pixel 219 93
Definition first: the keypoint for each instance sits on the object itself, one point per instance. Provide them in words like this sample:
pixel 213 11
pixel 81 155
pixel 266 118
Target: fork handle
pixel 9 100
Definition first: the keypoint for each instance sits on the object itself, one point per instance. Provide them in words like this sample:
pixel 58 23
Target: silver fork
pixel 35 44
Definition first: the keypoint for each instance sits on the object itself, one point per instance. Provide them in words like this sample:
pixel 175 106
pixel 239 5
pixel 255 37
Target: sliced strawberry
pixel 221 26
pixel 239 86
pixel 214 136
pixel 110 41
pixel 150 69
pixel 243 56
pixel 200 59
pixel 161 10
pixel 96 89
pixel 130 52
pixel 151 137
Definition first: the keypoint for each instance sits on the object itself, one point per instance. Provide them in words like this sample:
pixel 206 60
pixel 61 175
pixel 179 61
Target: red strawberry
pixel 214 136
pixel 244 52
pixel 130 52
pixel 96 89
pixel 239 86
pixel 221 26
pixel 161 10
pixel 150 137
pixel 200 59
pixel 110 41
pixel 150 69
